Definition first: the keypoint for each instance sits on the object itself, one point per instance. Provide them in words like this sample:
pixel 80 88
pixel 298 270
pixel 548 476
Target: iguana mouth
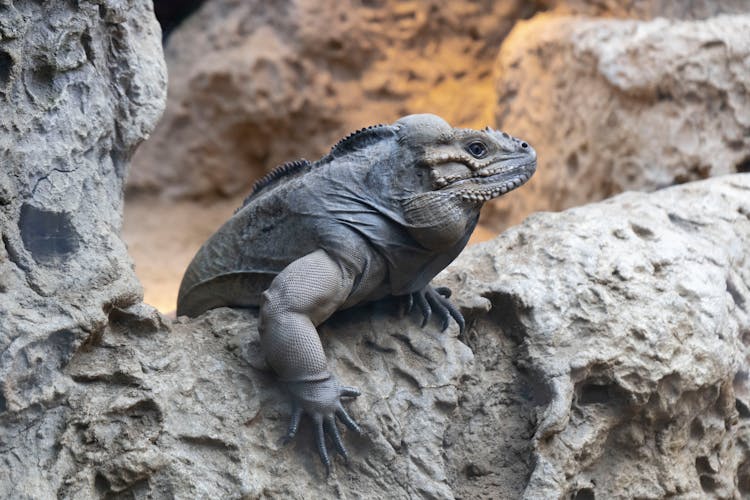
pixel 487 183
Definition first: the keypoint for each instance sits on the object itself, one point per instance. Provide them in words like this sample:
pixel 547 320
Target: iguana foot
pixel 321 400
pixel 435 300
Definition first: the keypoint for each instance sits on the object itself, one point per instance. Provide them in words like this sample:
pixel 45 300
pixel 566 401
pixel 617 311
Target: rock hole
pixel 335 45
pixel 708 483
pixel 42 82
pixel 663 94
pixel 534 389
pixel 473 470
pixel 101 484
pixel 737 297
pixel 583 494
pixel 572 163
pixel 145 409
pixel 713 44
pixel 594 394
pixel 702 465
pixel 696 430
pixel 687 225
pixel 87 44
pixel 642 232
pixel 743 478
pixel 742 409
pixel 506 311
pixel 6 69
pixel 3 403
pixel 743 166
pixel 49 236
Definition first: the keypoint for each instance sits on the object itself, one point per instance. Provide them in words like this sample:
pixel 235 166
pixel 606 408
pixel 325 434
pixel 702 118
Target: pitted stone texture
pixel 81 84
pixel 610 358
pixel 196 414
pixel 649 9
pixel 254 84
pixel 615 105
pixel 633 313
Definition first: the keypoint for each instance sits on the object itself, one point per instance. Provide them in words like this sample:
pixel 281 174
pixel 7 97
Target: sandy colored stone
pixel 255 84
pixel 616 105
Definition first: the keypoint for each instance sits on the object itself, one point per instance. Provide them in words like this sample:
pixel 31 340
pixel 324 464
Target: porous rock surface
pixel 254 84
pixel 81 84
pixel 648 9
pixel 606 356
pixel 633 315
pixel 613 105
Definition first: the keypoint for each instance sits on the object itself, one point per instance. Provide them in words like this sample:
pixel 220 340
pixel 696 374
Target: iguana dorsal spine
pixel 360 139
pixel 285 170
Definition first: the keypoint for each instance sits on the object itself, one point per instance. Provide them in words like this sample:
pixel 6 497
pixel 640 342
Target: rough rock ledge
pixel 606 356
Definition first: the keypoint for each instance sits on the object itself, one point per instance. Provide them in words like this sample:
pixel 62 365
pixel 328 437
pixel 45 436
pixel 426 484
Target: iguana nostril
pixel 524 145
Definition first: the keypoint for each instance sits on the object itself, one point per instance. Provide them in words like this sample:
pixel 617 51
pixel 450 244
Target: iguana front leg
pixel 301 297
pixel 431 300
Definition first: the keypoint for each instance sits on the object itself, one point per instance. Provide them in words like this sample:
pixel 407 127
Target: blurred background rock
pixel 613 96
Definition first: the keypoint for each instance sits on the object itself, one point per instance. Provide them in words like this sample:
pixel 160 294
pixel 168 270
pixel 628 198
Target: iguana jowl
pixel 386 210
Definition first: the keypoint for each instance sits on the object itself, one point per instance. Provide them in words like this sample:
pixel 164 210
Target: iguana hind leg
pixel 301 297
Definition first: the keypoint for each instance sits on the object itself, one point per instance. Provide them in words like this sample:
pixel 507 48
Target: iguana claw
pixel 321 400
pixel 435 300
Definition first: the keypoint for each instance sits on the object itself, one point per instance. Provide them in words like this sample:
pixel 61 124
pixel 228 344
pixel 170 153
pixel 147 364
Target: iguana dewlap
pixel 386 210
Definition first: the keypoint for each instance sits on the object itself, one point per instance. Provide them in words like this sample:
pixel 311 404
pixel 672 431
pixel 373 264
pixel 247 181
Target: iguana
pixel 387 209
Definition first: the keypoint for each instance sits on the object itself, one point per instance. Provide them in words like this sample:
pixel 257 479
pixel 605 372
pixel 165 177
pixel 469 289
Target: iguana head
pixel 449 173
pixel 471 165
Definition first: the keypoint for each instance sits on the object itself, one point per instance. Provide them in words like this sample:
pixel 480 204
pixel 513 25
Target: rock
pixel 606 355
pixel 81 84
pixel 631 318
pixel 615 105
pixel 649 9
pixel 254 84
pixel 196 413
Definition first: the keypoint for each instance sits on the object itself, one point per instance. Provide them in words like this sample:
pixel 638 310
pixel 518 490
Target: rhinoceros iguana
pixel 387 209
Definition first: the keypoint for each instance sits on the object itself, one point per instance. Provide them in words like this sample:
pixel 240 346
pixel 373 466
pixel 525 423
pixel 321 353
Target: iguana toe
pixel 321 400
pixel 348 421
pixel 293 423
pixel 320 442
pixel 421 300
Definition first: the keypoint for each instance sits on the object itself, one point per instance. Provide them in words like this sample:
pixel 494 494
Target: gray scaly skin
pixel 386 210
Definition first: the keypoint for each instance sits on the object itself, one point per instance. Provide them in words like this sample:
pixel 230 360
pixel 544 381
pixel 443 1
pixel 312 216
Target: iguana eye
pixel 477 149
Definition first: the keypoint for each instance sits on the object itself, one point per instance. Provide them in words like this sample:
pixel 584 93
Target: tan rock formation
pixel 615 105
pixel 254 84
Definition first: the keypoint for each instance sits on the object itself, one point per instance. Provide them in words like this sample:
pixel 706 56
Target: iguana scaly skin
pixel 386 210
